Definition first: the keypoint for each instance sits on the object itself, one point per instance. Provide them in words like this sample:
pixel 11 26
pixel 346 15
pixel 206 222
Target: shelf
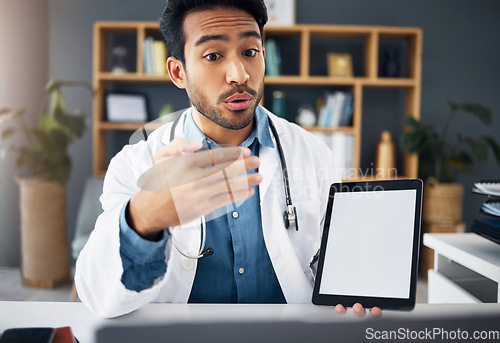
pixel 346 129
pixel 123 126
pixel 302 71
pixel 374 178
pixel 277 80
pixel 337 81
pixel 389 82
pixel 310 80
pixel 132 77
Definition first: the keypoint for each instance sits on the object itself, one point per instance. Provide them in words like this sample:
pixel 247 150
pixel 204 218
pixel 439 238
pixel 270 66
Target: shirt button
pixel 188 264
pixel 235 214
pixel 241 271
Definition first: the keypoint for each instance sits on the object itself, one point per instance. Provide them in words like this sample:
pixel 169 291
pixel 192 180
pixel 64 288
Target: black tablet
pixel 370 245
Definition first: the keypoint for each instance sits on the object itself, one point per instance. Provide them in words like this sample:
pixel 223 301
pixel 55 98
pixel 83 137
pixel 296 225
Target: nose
pixel 236 72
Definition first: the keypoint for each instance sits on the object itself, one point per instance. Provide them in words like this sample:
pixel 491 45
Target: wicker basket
pixel 45 251
pixel 442 202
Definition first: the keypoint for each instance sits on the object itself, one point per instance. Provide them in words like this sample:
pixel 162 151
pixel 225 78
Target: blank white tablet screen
pixel 369 247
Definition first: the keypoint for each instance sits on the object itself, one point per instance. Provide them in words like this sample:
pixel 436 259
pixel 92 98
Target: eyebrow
pixel 248 34
pixel 207 38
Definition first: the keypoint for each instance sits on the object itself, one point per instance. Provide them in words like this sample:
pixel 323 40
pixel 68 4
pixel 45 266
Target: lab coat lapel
pixel 269 166
pixel 269 161
pixel 293 281
pixel 179 129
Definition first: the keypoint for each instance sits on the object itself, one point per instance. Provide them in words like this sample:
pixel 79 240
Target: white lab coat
pixel 311 171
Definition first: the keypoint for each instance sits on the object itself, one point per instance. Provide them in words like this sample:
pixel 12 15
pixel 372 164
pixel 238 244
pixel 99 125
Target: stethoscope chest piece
pixel 290 217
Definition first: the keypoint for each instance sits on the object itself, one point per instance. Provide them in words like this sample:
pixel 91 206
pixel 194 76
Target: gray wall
pixel 459 63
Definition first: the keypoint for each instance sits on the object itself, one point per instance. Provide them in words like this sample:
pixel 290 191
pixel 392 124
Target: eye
pixel 250 52
pixel 213 56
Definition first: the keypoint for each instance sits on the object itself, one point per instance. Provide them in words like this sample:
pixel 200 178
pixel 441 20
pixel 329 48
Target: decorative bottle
pixel 385 157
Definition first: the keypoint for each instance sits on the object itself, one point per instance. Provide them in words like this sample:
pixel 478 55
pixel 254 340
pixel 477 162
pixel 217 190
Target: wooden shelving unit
pixel 370 35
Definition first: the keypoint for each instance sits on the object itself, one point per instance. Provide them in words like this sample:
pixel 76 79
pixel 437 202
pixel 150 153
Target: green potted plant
pixel 441 157
pixel 44 166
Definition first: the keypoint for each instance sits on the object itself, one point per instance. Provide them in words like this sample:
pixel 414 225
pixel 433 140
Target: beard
pixel 242 118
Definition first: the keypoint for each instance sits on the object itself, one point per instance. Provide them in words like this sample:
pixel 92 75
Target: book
pixel 342 145
pixel 159 58
pixel 148 56
pixel 337 108
pixel 329 105
pixel 487 187
pixel 347 111
pixel 488 228
pixel 273 59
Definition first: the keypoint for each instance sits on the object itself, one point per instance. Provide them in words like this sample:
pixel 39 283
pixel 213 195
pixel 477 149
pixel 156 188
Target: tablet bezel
pixel 370 301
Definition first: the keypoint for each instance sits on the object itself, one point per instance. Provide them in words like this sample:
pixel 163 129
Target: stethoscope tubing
pixel 202 252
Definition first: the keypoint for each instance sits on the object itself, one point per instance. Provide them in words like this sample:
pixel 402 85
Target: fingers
pixel 176 171
pixel 175 148
pixel 376 312
pixel 233 190
pixel 230 169
pixel 359 310
pixel 340 309
pixel 217 156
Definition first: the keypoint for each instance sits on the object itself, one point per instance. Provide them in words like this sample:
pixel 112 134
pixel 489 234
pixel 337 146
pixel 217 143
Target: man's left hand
pixel 359 310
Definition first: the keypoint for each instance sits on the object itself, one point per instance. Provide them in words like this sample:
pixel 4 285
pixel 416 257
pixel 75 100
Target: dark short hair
pixel 172 19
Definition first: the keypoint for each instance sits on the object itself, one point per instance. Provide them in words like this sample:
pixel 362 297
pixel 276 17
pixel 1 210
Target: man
pixel 145 245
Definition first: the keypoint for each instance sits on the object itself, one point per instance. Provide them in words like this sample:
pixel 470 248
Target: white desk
pixel 84 324
pixel 466 268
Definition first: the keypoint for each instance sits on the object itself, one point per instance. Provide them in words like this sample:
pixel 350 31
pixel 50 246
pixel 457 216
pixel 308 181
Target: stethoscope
pixel 289 215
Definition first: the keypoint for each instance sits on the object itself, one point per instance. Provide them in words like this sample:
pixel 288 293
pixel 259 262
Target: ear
pixel 176 72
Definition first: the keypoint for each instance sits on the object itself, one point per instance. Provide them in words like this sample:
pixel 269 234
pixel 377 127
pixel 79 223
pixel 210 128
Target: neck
pixel 219 134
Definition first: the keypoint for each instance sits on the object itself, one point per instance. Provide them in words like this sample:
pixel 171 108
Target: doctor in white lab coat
pixel 221 66
pixel 311 170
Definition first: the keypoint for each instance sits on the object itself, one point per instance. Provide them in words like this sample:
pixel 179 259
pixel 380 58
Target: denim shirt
pixel 240 270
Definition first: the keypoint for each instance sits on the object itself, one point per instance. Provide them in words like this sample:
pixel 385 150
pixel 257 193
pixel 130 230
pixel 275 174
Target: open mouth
pixel 238 102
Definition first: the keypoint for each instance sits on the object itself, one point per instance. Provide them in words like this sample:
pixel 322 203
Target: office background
pixel 45 39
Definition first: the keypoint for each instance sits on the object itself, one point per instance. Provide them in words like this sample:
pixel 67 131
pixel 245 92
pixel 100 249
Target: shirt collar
pixel 260 130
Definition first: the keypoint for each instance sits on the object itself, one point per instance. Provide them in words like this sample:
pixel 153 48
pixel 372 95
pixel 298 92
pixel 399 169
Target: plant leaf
pixel 47 123
pixel 52 85
pixel 478 148
pixel 418 138
pixel 479 111
pixel 19 161
pixel 5 110
pixel 453 106
pixel 463 161
pixel 20 112
pixel 72 124
pixel 8 132
pixel 57 104
pixel 494 146
pixel 5 115
pixel 412 123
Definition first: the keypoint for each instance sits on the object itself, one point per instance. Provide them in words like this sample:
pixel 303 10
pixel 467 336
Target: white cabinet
pixel 466 268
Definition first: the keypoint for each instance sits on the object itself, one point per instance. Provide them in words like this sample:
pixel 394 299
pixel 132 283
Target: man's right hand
pixel 184 185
